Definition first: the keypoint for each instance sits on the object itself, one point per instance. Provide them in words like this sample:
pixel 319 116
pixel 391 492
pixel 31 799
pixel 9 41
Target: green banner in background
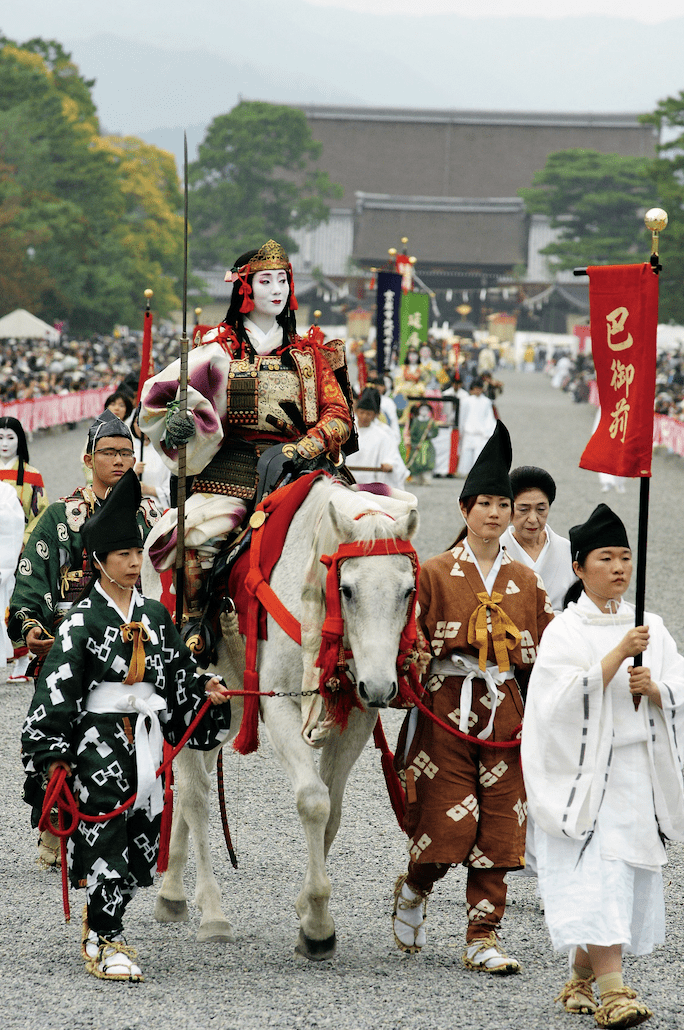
pixel 415 313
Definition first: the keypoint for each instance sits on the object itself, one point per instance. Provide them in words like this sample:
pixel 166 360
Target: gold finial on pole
pixel 655 219
pixel 148 294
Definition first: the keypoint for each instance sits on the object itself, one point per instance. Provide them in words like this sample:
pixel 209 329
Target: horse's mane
pixel 381 523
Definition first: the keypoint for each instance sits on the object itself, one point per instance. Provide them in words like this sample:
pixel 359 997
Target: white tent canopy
pixel 22 325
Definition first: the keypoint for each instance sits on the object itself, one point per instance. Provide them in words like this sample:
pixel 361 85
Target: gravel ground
pixel 259 982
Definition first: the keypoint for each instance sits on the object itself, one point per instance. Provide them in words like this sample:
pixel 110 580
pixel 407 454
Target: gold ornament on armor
pixel 135 633
pixel 308 447
pixel 501 627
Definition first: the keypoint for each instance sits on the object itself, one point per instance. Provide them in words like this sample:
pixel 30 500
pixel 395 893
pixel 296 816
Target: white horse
pixel 375 596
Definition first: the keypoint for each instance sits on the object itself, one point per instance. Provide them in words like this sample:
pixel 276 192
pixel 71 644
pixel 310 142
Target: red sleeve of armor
pixel 334 419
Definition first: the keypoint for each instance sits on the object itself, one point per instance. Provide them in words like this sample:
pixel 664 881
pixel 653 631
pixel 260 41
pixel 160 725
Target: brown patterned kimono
pixel 466 801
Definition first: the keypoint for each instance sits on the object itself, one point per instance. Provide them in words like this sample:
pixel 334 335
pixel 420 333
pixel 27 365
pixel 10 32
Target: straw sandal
pixel 485 955
pixel 115 960
pixel 620 1009
pixel 577 996
pixel 408 901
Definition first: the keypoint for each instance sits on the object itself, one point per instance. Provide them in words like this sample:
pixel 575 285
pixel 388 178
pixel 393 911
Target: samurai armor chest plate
pixel 277 383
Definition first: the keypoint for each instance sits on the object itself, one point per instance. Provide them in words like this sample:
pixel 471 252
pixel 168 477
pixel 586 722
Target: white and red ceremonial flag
pixel 147 360
pixel 623 302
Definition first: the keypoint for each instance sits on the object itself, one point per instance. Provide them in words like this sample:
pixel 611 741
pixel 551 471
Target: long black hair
pixel 7 422
pixel 468 504
pixel 236 319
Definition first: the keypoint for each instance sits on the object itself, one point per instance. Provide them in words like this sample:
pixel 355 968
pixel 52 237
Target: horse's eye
pixel 346 593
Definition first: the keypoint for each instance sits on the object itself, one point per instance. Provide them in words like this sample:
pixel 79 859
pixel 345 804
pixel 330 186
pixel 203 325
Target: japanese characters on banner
pixel 415 313
pixel 623 302
pixel 387 318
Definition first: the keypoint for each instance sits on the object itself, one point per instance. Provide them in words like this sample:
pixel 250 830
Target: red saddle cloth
pixel 280 508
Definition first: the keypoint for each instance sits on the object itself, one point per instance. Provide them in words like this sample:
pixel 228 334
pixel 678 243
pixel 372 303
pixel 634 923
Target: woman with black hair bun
pixel 252 383
pixel 530 539
pixel 15 470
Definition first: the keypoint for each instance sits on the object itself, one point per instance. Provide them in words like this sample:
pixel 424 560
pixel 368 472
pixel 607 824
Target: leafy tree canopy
pixel 254 179
pixel 597 201
pixel 667 172
pixel 86 222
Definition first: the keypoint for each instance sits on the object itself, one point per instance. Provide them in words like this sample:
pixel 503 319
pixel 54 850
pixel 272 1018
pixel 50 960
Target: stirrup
pixel 485 955
pixel 620 1009
pixel 577 996
pixel 402 904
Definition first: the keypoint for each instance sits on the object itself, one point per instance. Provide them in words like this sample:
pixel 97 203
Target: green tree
pixel 79 227
pixel 668 175
pixel 597 202
pixel 255 178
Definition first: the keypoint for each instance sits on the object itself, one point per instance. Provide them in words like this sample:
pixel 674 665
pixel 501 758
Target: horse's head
pixel 376 591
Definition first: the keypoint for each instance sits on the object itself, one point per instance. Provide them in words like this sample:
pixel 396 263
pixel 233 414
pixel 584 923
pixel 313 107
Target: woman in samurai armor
pixel 602 755
pixel 482 615
pixel 252 383
pixel 117 680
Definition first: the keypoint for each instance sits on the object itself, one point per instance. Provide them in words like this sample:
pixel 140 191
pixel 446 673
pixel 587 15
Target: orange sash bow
pixel 135 633
pixel 501 627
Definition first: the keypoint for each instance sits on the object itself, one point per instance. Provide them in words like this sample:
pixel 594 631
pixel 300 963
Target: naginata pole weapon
pixel 182 406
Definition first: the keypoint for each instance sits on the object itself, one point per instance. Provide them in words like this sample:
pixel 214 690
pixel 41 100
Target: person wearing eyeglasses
pixel 54 568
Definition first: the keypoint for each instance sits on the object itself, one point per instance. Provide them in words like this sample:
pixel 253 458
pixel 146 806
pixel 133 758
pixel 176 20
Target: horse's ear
pixel 342 524
pixel 407 527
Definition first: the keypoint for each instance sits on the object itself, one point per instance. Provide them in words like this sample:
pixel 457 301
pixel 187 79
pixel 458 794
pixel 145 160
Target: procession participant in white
pixel 377 447
pixel 11 537
pixel 530 540
pixel 476 424
pixel 604 779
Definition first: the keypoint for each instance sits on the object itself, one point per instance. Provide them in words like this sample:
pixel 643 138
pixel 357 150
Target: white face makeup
pixel 9 444
pixel 270 291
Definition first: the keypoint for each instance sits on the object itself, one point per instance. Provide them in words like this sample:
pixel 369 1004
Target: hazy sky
pixel 635 9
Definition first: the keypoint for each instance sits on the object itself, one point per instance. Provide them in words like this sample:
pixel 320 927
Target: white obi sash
pixel 458 664
pixel 149 743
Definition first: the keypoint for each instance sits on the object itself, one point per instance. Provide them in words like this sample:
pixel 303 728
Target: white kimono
pixel 602 779
pixel 477 422
pixel 377 447
pixel 11 538
pixel 554 563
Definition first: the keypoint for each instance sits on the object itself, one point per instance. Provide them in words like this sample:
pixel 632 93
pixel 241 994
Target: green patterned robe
pixel 53 567
pixel 89 650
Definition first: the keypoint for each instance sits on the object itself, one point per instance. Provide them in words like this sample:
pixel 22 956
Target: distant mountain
pixel 160 66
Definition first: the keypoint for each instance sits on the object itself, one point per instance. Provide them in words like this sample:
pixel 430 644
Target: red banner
pixel 623 302
pixel 147 361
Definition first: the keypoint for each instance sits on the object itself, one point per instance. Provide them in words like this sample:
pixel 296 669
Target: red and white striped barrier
pixel 56 410
pixel 667 432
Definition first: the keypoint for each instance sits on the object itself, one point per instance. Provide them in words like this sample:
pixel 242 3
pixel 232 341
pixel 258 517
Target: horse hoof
pixel 316 951
pixel 216 931
pixel 168 911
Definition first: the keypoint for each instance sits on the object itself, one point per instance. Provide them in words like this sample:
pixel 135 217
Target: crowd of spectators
pixel 35 368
